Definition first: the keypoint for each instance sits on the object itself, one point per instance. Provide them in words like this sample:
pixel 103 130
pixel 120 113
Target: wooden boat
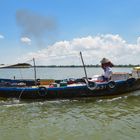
pixel 75 90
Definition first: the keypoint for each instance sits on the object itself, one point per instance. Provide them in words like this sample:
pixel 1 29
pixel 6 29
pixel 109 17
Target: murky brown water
pixel 94 118
pixel 114 118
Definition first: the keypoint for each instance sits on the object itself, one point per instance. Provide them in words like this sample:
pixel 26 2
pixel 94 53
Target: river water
pixel 107 118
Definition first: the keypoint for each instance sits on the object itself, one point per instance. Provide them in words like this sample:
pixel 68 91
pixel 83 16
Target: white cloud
pixel 1 36
pixel 94 48
pixel 26 40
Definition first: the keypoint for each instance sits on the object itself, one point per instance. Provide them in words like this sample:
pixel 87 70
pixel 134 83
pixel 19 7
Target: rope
pixel 21 93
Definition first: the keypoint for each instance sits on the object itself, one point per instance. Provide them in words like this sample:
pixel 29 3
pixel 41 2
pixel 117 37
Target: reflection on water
pixel 79 119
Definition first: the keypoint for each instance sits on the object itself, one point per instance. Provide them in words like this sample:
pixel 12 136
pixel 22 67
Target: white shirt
pixel 107 72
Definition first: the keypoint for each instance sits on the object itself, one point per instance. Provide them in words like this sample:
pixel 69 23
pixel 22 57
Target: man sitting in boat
pixel 107 65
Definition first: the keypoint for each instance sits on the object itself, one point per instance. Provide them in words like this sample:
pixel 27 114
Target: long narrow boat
pixel 77 90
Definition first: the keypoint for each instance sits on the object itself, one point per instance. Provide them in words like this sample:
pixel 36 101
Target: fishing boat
pixel 75 90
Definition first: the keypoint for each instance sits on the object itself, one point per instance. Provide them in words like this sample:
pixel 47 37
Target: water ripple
pixel 79 119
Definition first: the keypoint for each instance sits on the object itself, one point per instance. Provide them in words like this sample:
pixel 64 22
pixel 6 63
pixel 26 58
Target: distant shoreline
pixel 65 66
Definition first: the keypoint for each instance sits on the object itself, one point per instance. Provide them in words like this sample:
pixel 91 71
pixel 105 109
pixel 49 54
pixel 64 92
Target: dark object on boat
pixel 78 90
pixel 16 82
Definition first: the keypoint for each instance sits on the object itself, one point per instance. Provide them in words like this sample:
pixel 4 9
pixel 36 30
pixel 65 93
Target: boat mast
pixel 35 72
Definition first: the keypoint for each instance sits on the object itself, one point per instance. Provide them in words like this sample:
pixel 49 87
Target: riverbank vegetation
pixel 75 66
pixel 26 65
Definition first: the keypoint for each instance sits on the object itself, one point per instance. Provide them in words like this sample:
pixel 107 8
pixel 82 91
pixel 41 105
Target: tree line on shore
pixel 26 65
pixel 125 65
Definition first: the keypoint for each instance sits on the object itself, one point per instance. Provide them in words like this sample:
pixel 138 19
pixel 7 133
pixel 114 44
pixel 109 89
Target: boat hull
pixel 68 92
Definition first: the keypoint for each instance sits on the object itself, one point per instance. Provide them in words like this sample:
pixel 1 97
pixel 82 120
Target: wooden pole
pixel 35 72
pixel 83 65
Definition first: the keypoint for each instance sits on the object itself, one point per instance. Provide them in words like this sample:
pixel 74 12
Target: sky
pixel 55 31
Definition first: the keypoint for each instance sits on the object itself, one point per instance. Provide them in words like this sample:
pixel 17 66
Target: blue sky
pixel 73 19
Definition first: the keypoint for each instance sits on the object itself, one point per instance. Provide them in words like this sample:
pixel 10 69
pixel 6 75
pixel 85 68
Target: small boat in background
pixel 19 65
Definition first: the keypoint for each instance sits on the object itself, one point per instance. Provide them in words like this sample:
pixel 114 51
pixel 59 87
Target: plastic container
pixel 120 76
pixel 63 84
